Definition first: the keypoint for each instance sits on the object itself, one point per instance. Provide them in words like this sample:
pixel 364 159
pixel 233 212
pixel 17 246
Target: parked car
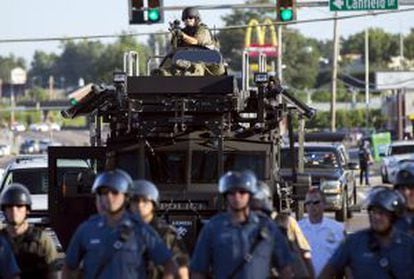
pixel 353 154
pixel 45 143
pixel 328 165
pixel 55 127
pixel 32 171
pixel 396 153
pixel 17 127
pixel 5 150
pixel 39 127
pixel 29 146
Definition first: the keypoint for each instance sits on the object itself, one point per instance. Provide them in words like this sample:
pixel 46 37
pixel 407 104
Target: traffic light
pixel 155 14
pixel 286 10
pixel 136 12
pixel 145 11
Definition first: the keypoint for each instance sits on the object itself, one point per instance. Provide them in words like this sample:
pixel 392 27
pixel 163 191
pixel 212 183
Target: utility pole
pixel 402 59
pixel 279 52
pixel 334 73
pixel 367 78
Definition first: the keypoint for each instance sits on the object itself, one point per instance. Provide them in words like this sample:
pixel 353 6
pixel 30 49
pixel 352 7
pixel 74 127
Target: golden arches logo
pixel 260 33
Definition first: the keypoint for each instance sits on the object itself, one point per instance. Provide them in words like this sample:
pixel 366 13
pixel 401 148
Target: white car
pixel 39 127
pixel 5 150
pixel 398 152
pixel 55 127
pixel 18 127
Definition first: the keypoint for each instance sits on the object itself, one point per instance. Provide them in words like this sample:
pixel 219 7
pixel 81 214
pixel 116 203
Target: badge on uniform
pixel 117 245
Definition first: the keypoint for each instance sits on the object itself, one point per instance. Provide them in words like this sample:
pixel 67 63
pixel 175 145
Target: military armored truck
pixel 181 132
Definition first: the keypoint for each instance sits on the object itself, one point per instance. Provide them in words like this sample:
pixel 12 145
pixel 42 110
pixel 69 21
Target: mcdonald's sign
pixel 269 48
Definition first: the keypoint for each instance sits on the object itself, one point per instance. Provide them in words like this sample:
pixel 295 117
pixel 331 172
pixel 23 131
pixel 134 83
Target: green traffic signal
pixel 73 102
pixel 154 15
pixel 286 15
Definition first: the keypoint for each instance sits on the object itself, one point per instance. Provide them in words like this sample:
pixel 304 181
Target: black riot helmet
pixel 190 12
pixel 117 180
pixel 146 189
pixel 387 199
pixel 404 178
pixel 16 194
pixel 245 180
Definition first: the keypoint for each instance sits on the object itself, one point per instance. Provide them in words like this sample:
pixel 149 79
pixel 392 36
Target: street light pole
pixel 279 52
pixel 334 73
pixel 367 78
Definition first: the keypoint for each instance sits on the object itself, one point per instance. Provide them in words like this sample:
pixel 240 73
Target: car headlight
pixel 331 186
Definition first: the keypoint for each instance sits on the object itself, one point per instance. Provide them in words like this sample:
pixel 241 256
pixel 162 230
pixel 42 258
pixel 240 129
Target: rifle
pixel 176 33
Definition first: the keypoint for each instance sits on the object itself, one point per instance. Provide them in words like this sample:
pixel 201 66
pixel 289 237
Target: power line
pixel 234 27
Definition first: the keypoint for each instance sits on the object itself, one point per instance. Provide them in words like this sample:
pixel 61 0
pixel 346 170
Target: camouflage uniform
pixel 35 252
pixel 173 242
pixel 201 33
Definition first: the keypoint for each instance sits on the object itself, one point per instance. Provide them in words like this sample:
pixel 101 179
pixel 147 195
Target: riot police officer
pixel 195 33
pixel 240 243
pixel 405 185
pixel 34 250
pixel 112 243
pixel 144 199
pixel 8 265
pixel 380 251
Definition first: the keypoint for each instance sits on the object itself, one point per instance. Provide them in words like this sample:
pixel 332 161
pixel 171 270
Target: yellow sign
pixel 260 33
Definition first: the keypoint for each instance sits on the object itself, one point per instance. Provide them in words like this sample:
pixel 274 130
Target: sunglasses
pixel 106 191
pixel 313 202
pixel 241 192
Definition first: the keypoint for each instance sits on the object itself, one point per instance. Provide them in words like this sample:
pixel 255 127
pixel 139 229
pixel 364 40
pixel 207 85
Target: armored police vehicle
pixel 181 130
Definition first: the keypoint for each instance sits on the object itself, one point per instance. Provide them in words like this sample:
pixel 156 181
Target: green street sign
pixel 362 5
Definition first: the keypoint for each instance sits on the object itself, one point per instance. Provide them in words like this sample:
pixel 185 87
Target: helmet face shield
pixel 404 178
pixel 146 189
pixel 116 180
pixel 387 199
pixel 234 180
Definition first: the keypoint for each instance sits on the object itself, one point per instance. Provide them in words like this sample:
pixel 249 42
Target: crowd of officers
pixel 126 239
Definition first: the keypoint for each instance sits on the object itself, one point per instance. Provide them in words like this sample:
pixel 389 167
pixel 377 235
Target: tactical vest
pixel 29 253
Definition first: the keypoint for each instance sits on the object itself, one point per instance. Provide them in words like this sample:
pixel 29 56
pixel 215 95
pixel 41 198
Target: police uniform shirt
pixel 368 260
pixel 94 237
pixel 222 246
pixel 8 265
pixel 405 224
pixel 323 238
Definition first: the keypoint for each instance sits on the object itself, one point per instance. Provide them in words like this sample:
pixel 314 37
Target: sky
pixel 59 18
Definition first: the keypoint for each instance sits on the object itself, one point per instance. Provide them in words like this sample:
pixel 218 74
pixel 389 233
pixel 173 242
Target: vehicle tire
pixel 341 214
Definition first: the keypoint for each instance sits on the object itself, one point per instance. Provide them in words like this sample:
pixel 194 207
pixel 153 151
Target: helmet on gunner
pixel 245 180
pixel 116 180
pixel 16 194
pixel 387 199
pixel 404 178
pixel 190 12
pixel 146 189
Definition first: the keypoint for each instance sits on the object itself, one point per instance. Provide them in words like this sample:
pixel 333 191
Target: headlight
pixel 331 186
